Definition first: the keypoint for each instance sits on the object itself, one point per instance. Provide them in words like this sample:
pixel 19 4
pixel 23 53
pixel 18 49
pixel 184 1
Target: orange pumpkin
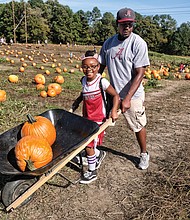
pixel 43 94
pixel 40 86
pixel 39 126
pixel 21 69
pixel 32 153
pixel 65 69
pixel 58 70
pixel 56 87
pixel 39 78
pixel 187 76
pixel 59 79
pixel 47 72
pixel 51 92
pixel 2 95
pixel 13 78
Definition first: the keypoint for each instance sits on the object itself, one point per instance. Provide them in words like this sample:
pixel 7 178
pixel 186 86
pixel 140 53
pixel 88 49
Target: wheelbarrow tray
pixel 71 132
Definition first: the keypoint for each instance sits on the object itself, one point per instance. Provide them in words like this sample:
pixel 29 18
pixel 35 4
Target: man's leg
pixel 144 156
pixel 141 138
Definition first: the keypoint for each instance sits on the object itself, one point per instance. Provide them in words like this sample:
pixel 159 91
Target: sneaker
pixel 88 177
pixel 84 160
pixel 144 161
pixel 100 158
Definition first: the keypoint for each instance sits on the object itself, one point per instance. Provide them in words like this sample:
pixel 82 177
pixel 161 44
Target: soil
pixel 122 191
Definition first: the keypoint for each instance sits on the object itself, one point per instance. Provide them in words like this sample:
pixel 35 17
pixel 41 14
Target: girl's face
pixel 90 68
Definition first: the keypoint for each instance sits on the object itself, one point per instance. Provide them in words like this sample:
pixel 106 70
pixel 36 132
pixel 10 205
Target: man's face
pixel 125 29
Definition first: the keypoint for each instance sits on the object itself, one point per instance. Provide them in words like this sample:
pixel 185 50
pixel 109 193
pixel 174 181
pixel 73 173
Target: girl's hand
pixel 114 115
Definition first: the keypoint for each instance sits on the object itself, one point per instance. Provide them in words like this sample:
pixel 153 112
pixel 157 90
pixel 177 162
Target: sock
pixel 97 152
pixel 91 162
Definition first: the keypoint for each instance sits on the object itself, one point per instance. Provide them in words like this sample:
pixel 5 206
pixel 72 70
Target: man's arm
pixel 126 103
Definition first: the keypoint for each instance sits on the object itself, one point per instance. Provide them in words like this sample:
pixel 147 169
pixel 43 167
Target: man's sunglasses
pixel 127 24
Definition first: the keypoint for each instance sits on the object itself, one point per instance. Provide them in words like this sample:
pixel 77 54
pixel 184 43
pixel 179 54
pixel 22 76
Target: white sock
pixel 91 162
pixel 97 152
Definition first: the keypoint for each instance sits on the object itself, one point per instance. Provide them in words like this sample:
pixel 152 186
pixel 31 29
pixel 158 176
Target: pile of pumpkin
pixel 34 149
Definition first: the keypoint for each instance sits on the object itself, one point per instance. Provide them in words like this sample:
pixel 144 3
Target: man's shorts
pixel 135 116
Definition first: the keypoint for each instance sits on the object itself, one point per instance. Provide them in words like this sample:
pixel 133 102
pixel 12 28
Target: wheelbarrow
pixel 73 134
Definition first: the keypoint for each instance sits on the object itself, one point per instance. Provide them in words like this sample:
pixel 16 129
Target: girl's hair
pixel 90 53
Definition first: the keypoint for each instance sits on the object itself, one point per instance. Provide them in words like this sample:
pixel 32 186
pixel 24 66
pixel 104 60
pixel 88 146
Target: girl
pixel 94 109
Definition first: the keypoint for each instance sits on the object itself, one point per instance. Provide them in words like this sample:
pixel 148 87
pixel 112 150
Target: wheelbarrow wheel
pixel 12 190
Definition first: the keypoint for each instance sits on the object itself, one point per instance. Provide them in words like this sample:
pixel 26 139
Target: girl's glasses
pixel 89 67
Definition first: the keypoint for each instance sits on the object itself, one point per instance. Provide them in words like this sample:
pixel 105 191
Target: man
pixel 126 56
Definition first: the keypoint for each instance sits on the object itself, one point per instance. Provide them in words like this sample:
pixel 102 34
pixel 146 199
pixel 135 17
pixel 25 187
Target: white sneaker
pixel 144 161
pixel 84 160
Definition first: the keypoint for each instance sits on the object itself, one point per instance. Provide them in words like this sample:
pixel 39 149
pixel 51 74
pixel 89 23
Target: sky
pixel 179 10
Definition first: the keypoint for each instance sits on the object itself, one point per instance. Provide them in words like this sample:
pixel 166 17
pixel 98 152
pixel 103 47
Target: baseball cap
pixel 125 14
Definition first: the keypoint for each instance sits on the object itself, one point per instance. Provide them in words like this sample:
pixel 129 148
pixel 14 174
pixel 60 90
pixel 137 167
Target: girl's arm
pixel 116 102
pixel 76 103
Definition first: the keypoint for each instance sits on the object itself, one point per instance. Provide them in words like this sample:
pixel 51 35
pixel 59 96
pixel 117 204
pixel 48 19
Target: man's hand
pixel 125 104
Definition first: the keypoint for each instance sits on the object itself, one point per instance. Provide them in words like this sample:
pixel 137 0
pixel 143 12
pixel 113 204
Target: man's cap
pixel 125 14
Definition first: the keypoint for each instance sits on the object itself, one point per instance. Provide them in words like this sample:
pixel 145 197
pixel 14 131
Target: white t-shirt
pixel 121 58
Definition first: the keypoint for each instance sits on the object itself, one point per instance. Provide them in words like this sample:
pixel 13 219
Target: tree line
pixel 50 21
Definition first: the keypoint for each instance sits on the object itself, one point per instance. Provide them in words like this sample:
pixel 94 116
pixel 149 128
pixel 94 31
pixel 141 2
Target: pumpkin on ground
pixel 43 94
pixel 39 126
pixel 51 92
pixel 187 76
pixel 40 86
pixel 21 69
pixel 32 153
pixel 2 95
pixel 59 79
pixel 13 78
pixel 57 87
pixel 40 78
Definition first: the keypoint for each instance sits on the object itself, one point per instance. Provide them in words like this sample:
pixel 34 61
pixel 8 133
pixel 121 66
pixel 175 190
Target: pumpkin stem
pixel 30 165
pixel 31 119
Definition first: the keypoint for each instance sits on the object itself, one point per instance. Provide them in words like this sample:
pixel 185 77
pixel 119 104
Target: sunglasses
pixel 89 67
pixel 127 24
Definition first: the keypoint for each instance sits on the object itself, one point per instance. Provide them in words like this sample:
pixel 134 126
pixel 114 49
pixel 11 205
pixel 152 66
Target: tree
pixel 37 25
pixel 105 28
pixel 179 43
pixel 6 22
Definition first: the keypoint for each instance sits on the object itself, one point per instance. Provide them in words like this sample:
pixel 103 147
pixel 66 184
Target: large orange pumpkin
pixel 2 95
pixel 32 153
pixel 57 87
pixel 39 126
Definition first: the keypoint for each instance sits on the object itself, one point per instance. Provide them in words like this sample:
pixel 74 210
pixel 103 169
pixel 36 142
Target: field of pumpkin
pixel 46 69
pixel 35 78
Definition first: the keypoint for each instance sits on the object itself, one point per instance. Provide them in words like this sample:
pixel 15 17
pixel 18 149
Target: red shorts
pixel 98 141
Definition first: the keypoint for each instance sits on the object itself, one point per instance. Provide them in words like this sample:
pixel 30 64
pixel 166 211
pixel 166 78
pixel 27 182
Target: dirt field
pixel 123 192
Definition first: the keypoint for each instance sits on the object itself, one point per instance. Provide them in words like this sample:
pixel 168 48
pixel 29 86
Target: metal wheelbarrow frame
pixel 68 126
